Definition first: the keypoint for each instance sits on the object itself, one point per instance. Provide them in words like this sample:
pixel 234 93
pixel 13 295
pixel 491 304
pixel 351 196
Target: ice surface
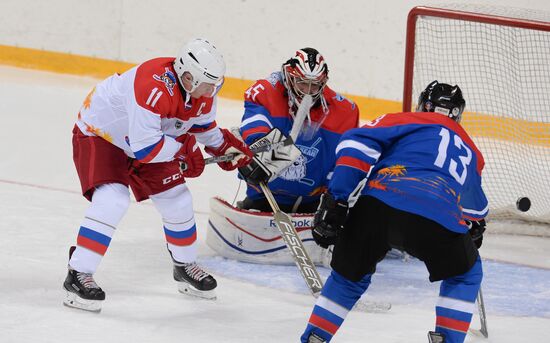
pixel 41 209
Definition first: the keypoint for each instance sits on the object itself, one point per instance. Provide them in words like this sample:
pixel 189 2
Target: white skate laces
pixel 194 271
pixel 87 280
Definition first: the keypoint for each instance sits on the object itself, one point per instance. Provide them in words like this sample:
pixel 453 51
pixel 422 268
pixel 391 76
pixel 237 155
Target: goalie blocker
pixel 252 236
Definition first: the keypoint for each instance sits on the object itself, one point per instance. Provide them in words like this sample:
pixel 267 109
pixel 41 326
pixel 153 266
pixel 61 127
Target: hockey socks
pixel 109 204
pixel 337 298
pixel 456 304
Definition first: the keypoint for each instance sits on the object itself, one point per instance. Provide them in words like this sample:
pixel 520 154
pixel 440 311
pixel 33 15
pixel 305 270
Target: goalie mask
pixel 305 73
pixel 442 98
pixel 203 61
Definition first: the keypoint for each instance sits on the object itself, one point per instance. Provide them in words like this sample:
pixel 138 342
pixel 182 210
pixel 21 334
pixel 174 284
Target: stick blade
pixel 298 251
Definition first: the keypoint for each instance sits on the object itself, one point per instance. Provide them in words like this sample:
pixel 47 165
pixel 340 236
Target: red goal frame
pixel 454 15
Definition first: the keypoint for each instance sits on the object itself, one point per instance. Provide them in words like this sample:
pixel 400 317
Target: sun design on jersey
pixel 88 100
pixel 376 184
pixel 99 133
pixel 395 170
pixel 386 174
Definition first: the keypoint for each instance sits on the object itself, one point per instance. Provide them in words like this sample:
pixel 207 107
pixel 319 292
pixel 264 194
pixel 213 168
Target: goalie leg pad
pixel 252 236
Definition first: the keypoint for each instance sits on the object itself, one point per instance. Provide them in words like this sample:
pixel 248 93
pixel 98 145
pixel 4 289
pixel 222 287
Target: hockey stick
pixel 290 236
pixel 301 258
pixel 294 244
pixel 263 148
pixel 482 314
pixel 301 113
pixel 283 220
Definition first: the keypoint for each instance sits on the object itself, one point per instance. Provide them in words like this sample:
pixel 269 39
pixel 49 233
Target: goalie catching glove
pixel 329 220
pixel 266 166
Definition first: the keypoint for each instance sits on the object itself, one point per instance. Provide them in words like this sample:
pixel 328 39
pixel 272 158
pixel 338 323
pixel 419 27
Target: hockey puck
pixel 523 204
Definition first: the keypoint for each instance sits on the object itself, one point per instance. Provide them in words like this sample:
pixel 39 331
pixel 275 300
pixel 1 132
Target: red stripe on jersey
pixel 259 129
pixel 452 324
pixel 322 323
pixel 91 245
pixel 181 242
pixel 353 162
pixel 153 152
pixel 427 118
pixel 471 218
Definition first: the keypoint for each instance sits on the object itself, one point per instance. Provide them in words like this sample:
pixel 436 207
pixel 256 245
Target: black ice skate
pixel 436 337
pixel 82 291
pixel 313 338
pixel 194 281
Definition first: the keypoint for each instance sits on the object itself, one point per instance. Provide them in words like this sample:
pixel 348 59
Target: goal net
pixel 500 58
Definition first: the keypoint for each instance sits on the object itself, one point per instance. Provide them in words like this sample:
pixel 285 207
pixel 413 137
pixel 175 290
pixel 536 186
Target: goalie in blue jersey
pixel 410 181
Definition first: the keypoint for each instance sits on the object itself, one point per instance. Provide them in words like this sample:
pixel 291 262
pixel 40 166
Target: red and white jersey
pixel 144 109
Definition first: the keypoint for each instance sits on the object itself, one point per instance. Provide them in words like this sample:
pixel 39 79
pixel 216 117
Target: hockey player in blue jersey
pixel 410 181
pixel 297 173
pixel 270 109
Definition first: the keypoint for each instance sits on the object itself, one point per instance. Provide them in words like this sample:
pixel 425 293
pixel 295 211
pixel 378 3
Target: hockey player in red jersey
pixel 297 173
pixel 140 130
pixel 411 181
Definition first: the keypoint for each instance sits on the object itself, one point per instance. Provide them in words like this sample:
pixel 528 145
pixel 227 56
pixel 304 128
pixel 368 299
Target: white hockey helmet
pixel 305 73
pixel 203 61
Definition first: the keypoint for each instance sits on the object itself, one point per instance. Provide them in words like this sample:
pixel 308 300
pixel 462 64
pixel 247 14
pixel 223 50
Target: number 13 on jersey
pixel 442 155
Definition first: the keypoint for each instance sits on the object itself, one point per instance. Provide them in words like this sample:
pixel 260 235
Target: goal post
pixel 500 58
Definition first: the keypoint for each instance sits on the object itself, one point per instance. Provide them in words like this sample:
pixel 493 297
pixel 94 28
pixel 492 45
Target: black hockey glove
pixel 476 230
pixel 255 172
pixel 328 220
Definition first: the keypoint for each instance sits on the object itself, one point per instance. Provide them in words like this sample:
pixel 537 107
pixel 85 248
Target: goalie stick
pixel 294 244
pixel 291 238
pixel 283 220
pixel 302 259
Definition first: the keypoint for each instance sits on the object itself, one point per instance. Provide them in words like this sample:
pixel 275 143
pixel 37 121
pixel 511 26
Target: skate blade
pixel 187 289
pixel 73 300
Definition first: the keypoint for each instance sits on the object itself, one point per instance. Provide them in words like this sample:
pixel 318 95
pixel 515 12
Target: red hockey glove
pixel 190 156
pixel 232 144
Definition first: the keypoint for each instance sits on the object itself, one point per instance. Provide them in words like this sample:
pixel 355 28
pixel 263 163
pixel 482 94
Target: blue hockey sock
pixel 456 304
pixel 337 298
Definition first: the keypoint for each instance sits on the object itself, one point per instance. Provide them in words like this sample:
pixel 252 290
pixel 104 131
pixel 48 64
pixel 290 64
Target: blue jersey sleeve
pixel 473 200
pixel 256 122
pixel 358 150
